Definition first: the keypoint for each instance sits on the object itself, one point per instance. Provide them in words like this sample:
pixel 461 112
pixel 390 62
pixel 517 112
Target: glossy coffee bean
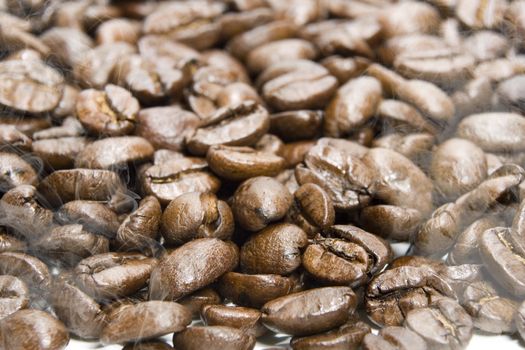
pixel 390 221
pixel 15 171
pixel 213 338
pixel 348 336
pixel 394 337
pixel 197 300
pixel 32 271
pixel 243 318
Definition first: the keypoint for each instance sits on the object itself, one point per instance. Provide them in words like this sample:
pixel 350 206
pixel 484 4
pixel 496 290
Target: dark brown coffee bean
pixel 14 295
pixel 68 244
pixel 213 338
pixel 30 86
pixel 274 250
pixel 113 275
pixel 33 272
pixel 417 147
pixel 111 112
pixel 254 290
pixel 389 221
pixel 157 318
pixel 294 153
pixel 243 318
pixel 196 215
pixel 260 201
pixel 93 216
pixel 197 300
pixel 32 329
pixel 11 137
pixel 394 338
pixel 115 152
pixel 193 266
pixel 166 127
pixel 140 229
pixel 63 186
pixel 348 336
pixel 15 171
pixel 81 314
pixel 241 163
pixel 444 324
pixel 296 125
pixel 309 312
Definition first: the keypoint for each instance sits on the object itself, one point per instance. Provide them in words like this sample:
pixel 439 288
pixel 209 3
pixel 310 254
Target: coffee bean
pixel 402 117
pixel 118 29
pixel 443 324
pixel 234 23
pixel 14 295
pixel 213 338
pixel 147 345
pixel 348 336
pixel 33 272
pixel 389 221
pixel 197 300
pixel 274 250
pixel 281 50
pixel 68 45
pixel 113 275
pixel 511 92
pixel 259 201
pixel 9 243
pixel 196 215
pixel 479 15
pixel 243 318
pixel 59 153
pixel 394 338
pixel 15 171
pixel 296 125
pixel 46 332
pixel 194 265
pixel 309 312
pixel 474 97
pixel 520 315
pixel 397 20
pixel 11 137
pixel 93 216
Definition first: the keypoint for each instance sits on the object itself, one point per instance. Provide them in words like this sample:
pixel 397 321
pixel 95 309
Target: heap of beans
pixel 251 163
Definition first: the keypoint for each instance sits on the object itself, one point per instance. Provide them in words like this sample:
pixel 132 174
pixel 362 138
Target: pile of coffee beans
pixel 253 164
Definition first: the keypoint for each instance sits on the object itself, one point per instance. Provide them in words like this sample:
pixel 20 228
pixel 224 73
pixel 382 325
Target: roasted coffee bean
pixel 67 245
pixel 113 275
pixel 281 50
pixel 213 338
pixel 511 92
pixel 348 336
pixel 443 324
pixel 254 290
pixel 245 319
pixel 197 300
pixel 296 125
pixel 196 215
pixel 63 186
pixel 30 86
pixel 59 153
pixel 11 138
pixel 15 171
pixel 110 112
pixel 310 312
pixel 81 314
pixel 157 318
pixel 33 272
pixel 140 228
pixel 32 329
pixel 417 147
pixel 93 216
pixel 67 45
pixel 234 23
pixel 486 45
pixel 389 221
pixel 402 117
pixel 9 243
pixel 14 295
pixel 274 250
pixel 193 266
pixel 259 201
pixel 147 345
pixel 394 338
pixel 474 97
pixel 166 127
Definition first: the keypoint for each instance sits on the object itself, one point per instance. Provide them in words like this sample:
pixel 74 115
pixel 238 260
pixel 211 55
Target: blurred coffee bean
pixel 15 171
pixel 197 300
pixel 394 337
pixel 14 295
pixel 213 338
pixel 33 272
pixel 348 336
pixel 93 216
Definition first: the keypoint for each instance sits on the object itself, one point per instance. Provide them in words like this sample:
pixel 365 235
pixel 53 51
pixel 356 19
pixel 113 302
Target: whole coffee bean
pixel 33 272
pixel 213 338
pixel 30 86
pixel 479 15
pixel 389 221
pixel 243 318
pixel 281 50
pixel 310 312
pixel 348 336
pixel 111 112
pixel 241 125
pixel 166 127
pixel 20 210
pixel 67 45
pixel 494 132
pixel 193 266
pixel 284 68
pixel 11 137
pixel 15 171
pixel 511 92
pixel 157 318
pixel 503 262
pixel 296 125
pixel 457 167
pixel 259 201
pixel 312 209
pixel 254 290
pixel 63 186
pixel 393 293
pixel 486 45
pixel 157 48
pixel 490 312
pixel 398 20
pixel 113 275
pixel 116 30
pixel 59 153
pixel 295 152
pixel 9 243
pixel 197 300
pixel 14 295
pixel 401 116
pixel 345 68
pixel 416 147
pixel 444 324
pixel 70 127
pixel 140 228
pixel 67 245
pixel 390 338
pixel 354 103
pixel 274 250
pixel 81 314
pixel 93 216
pixel 115 152
pixel 196 215
pixel 234 23
pixel 170 178
pixel 46 332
